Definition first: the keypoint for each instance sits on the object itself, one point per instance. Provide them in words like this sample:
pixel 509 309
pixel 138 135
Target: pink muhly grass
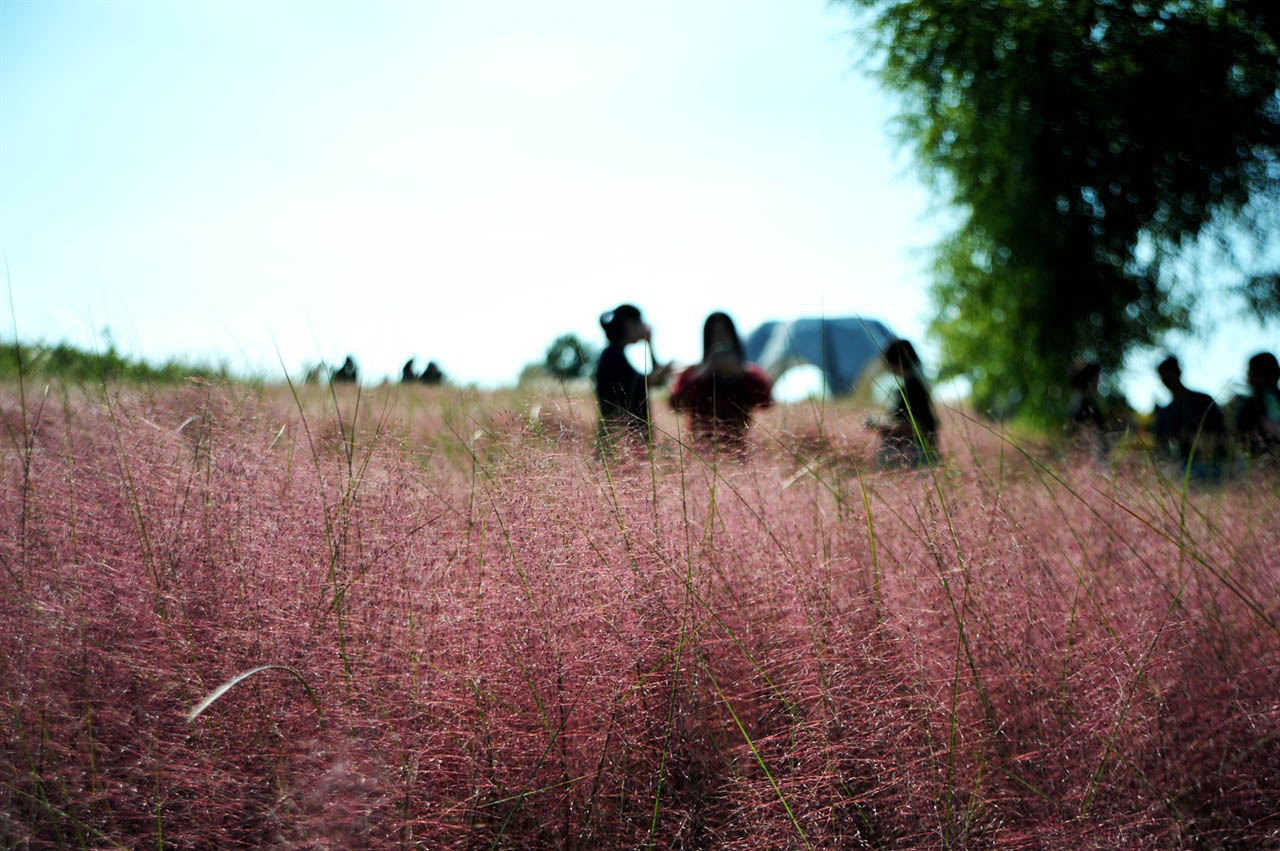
pixel 507 642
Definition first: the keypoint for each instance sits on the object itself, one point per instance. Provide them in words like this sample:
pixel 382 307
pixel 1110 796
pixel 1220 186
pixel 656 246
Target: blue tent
pixel 842 348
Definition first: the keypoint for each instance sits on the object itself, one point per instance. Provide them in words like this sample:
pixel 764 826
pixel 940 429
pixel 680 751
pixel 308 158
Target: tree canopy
pixel 1084 143
pixel 69 363
pixel 568 357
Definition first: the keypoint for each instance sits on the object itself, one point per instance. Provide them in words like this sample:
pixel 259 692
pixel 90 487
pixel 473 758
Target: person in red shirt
pixel 720 392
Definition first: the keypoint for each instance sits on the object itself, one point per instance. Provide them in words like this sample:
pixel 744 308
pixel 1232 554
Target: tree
pixel 1085 143
pixel 568 357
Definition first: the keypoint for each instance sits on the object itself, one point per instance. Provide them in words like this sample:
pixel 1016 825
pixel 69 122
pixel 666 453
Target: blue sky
pixel 458 181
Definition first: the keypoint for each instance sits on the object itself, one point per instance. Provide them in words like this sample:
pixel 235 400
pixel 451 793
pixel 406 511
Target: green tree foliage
pixel 569 357
pixel 68 363
pixel 1084 143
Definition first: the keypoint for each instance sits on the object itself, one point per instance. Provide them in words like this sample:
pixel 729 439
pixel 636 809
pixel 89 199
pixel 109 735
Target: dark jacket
pixel 1191 423
pixel 911 439
pixel 622 394
pixel 1258 421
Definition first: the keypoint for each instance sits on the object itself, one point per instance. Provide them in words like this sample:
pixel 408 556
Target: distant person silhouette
pixel 1084 418
pixel 432 374
pixel 1257 420
pixel 720 392
pixel 407 374
pixel 623 393
pixel 345 374
pixel 909 436
pixel 1191 427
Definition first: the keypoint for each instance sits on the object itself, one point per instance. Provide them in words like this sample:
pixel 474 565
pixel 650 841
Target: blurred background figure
pixel 1085 422
pixel 407 374
pixel 1257 419
pixel 433 374
pixel 1191 427
pixel 720 392
pixel 622 391
pixel 909 433
pixel 345 374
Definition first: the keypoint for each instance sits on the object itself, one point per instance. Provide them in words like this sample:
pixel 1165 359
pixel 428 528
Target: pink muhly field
pixel 481 635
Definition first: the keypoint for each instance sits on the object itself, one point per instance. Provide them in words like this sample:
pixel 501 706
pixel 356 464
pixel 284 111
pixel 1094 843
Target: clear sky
pixel 456 180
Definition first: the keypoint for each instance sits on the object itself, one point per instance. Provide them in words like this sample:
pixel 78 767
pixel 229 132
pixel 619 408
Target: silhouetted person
pixel 1258 416
pixel 909 436
pixel 721 390
pixel 1084 417
pixel 432 374
pixel 1191 427
pixel 623 393
pixel 345 374
pixel 407 374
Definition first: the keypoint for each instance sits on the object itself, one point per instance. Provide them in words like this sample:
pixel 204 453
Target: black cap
pixel 613 321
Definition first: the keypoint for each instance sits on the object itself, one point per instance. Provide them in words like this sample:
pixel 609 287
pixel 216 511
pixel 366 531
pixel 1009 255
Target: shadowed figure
pixel 1191 427
pixel 407 374
pixel 909 435
pixel 720 392
pixel 432 374
pixel 623 393
pixel 1257 421
pixel 345 374
pixel 1085 422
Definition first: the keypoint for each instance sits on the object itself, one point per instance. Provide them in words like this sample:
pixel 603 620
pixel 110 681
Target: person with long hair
pixel 909 436
pixel 720 391
pixel 621 390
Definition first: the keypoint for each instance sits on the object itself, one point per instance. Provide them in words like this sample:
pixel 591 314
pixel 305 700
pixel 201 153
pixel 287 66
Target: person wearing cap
pixel 622 391
pixel 1191 427
pixel 720 392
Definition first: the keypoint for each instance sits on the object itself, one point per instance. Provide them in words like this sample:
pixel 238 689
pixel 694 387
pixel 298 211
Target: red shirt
pixel 720 406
